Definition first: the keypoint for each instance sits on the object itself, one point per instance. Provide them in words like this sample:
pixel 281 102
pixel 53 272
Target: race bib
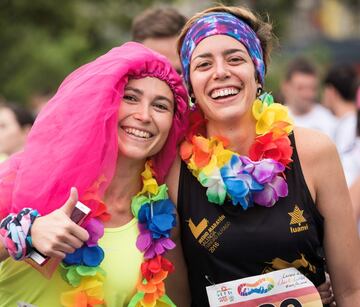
pixel 283 288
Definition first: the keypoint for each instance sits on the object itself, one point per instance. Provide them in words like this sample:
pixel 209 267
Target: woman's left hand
pixel 326 293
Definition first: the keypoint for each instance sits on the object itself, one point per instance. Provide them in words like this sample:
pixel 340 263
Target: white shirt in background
pixel 351 162
pixel 345 133
pixel 319 118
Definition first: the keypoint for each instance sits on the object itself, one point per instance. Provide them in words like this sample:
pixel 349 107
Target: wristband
pixel 15 231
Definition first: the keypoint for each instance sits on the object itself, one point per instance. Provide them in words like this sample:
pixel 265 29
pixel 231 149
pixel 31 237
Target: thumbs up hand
pixel 70 203
pixel 56 234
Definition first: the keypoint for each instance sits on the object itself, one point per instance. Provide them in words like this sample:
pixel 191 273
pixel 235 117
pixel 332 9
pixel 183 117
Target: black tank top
pixel 224 243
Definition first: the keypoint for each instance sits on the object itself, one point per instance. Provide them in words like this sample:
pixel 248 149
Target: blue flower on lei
pixel 85 255
pixel 239 183
pixel 159 217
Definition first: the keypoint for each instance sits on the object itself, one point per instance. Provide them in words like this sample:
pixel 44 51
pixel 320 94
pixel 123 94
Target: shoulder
pixel 312 144
pixel 318 157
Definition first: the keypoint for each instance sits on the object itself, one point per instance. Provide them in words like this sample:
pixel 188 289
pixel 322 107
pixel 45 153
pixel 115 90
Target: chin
pixel 133 153
pixel 229 114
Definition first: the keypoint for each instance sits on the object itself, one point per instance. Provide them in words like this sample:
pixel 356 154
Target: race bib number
pixel 283 288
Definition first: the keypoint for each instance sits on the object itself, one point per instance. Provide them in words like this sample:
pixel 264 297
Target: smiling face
pixel 222 76
pixel 145 117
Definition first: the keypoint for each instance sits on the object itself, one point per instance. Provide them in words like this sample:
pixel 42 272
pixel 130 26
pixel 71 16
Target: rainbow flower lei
pixel 156 217
pixel 258 178
pixel 81 269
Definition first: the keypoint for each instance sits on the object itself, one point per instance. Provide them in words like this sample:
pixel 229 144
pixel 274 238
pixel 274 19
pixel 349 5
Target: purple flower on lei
pixel 95 228
pixel 152 247
pixel 274 189
pixel 266 172
pixel 159 218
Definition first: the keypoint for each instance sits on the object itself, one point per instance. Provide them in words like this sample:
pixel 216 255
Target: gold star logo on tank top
pixel 298 222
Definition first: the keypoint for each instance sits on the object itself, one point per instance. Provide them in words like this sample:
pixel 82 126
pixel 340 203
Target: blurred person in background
pixel 339 97
pixel 157 29
pixel 15 124
pixel 300 90
pixel 39 100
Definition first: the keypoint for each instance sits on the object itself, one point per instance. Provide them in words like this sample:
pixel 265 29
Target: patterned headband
pixel 225 24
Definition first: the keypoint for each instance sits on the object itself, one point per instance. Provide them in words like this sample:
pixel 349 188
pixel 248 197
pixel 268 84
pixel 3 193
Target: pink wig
pixel 74 142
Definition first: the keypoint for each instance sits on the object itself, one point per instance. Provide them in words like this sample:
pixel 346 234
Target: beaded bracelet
pixel 15 233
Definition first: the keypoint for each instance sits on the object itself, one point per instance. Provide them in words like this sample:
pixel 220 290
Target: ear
pixel 330 92
pixel 334 92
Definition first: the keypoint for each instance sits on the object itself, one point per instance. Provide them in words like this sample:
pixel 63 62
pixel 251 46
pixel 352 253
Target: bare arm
pixel 177 283
pixel 326 181
pixel 355 197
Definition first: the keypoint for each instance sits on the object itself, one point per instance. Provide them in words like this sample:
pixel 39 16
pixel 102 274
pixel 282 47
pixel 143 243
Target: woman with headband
pixel 254 194
pixel 111 131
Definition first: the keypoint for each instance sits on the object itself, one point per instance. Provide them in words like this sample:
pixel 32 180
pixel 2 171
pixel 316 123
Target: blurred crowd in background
pixel 315 65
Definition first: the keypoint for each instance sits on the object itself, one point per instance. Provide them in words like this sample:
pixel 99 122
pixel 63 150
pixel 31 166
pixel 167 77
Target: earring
pixel 259 91
pixel 192 100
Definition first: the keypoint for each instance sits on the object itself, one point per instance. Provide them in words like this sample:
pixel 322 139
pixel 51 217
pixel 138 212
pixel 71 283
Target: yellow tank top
pixel 19 282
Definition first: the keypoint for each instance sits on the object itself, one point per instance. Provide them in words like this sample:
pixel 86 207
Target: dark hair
pixel 157 23
pixel 344 79
pixel 300 65
pixel 23 116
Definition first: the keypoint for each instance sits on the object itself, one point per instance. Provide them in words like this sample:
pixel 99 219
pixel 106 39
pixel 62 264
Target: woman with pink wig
pixel 108 136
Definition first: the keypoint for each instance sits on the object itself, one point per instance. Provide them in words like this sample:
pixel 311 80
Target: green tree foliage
pixel 41 41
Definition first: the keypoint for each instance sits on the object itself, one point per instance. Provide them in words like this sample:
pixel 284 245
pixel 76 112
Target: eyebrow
pixel 160 97
pixel 136 90
pixel 157 97
pixel 231 51
pixel 226 52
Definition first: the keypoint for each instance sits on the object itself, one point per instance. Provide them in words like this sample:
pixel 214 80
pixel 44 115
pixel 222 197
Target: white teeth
pixel 138 133
pixel 224 92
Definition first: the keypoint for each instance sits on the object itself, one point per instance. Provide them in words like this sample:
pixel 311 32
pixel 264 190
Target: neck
pixel 343 108
pixel 240 132
pixel 124 185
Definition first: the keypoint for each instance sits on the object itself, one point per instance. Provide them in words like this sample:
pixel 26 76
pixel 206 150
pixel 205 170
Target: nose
pixel 143 113
pixel 221 71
